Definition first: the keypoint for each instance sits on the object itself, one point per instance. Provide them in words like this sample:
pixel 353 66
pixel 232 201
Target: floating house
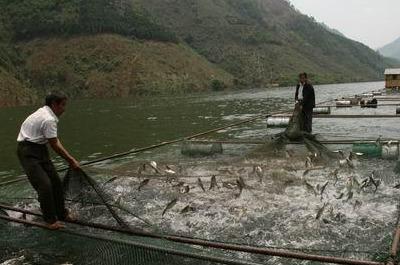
pixel 392 78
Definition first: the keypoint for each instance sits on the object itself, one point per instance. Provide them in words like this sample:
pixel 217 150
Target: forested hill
pixel 251 38
pixel 106 48
pixel 392 49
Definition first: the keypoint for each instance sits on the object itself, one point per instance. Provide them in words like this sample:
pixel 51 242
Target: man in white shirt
pixel 38 130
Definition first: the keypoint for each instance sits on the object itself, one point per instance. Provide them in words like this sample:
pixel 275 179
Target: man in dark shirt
pixel 305 96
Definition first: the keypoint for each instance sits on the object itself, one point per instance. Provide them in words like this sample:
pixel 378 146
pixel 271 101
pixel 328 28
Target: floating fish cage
pixel 371 150
pixel 200 149
pixel 398 110
pixel 343 104
pixel 377 93
pixel 322 110
pixel 278 121
pixel 368 95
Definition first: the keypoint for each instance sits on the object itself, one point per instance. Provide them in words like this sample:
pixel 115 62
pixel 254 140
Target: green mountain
pixel 391 50
pixel 251 38
pixel 107 48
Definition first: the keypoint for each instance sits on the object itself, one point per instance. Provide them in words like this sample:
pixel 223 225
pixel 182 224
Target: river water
pixel 277 210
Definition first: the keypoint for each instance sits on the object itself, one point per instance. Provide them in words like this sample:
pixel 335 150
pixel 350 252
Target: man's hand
pixel 59 149
pixel 74 164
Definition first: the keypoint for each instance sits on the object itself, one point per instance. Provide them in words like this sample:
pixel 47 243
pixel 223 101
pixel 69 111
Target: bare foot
pixel 55 226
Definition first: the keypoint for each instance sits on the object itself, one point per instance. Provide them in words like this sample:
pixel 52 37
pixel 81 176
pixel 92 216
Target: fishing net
pixel 87 247
pixel 276 144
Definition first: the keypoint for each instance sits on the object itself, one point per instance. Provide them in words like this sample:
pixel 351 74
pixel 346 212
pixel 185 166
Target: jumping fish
pixel 374 182
pixel 213 183
pixel 323 188
pixel 110 180
pixel 229 185
pixel 340 196
pixel 349 195
pixel 321 211
pixel 153 164
pixel 259 172
pixel 335 175
pixel 141 168
pixel 397 186
pixel 357 205
pixel 340 152
pixel 3 212
pixel 143 183
pixel 310 188
pixel 169 206
pixel 187 209
pixel 200 183
pixel 241 185
pixel 308 162
pixel 184 189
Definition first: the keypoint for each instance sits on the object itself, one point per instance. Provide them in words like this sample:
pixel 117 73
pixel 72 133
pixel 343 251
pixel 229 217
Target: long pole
pixel 219 245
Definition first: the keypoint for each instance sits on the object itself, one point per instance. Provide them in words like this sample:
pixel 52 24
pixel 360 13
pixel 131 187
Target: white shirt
pixel 300 95
pixel 39 126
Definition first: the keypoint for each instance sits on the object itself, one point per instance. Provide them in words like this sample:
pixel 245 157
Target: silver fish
pixel 308 163
pixel 169 206
pixel 350 195
pixel 141 169
pixel 259 172
pixel 241 185
pixel 187 209
pixel 110 180
pixel 143 183
pixel 200 183
pixel 321 211
pixel 310 188
pixel 153 164
pixel 397 186
pixel 184 189
pixel 340 196
pixel 213 183
pixel 229 185
pixel 357 205
pixel 323 188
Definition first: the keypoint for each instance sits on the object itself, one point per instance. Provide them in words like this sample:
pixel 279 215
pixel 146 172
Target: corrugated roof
pixel 393 71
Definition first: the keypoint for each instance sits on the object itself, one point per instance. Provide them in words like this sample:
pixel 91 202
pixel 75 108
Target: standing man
pixel 305 96
pixel 38 130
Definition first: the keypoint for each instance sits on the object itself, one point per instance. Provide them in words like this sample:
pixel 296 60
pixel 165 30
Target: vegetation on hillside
pixel 263 41
pixel 42 18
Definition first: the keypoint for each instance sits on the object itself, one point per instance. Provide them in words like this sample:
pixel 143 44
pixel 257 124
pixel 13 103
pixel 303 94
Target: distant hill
pixel 113 48
pixel 391 50
pixel 251 38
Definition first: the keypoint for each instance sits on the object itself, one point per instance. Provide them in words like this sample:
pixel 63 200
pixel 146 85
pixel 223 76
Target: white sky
pixel 372 22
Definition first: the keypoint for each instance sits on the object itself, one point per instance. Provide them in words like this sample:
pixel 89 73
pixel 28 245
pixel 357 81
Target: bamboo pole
pixel 348 116
pixel 260 142
pixel 218 245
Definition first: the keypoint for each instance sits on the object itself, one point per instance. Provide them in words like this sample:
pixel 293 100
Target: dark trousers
pixel 35 160
pixel 307 120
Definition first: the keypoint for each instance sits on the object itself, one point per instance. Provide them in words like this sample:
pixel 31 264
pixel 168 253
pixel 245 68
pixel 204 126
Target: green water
pixel 96 128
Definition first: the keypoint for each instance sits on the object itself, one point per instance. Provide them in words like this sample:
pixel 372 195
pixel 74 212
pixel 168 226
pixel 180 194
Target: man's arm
pixel 59 149
pixel 309 96
pixel 297 92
